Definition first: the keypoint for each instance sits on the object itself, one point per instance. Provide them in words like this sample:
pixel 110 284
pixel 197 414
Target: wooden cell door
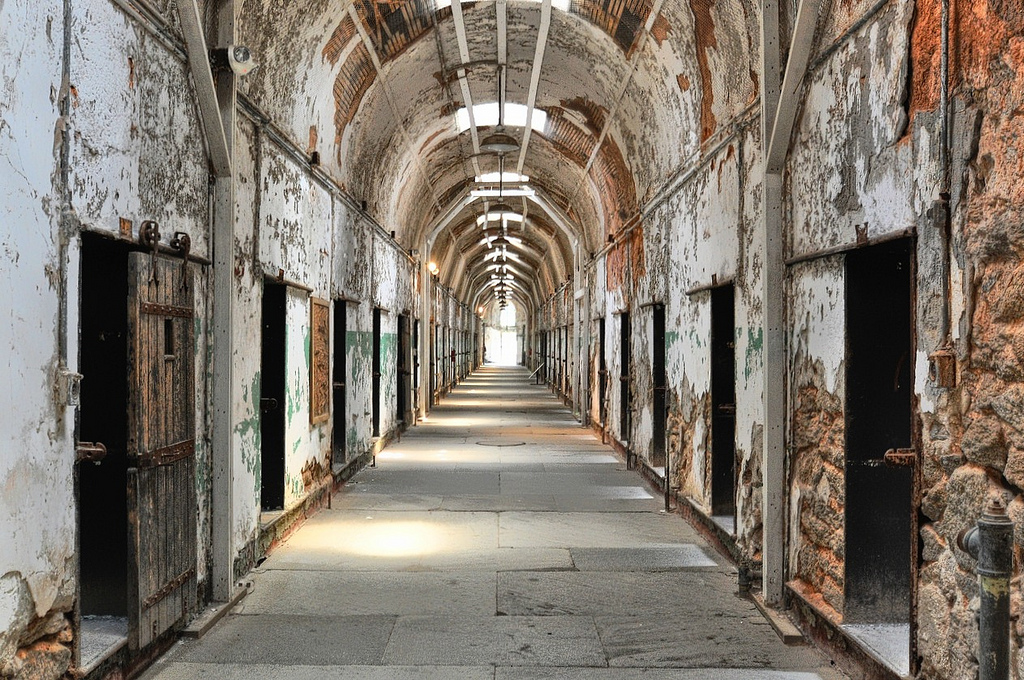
pixel 161 448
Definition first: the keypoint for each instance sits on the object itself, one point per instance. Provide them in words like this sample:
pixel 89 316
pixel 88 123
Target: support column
pixel 226 390
pixel 773 560
pixel 425 326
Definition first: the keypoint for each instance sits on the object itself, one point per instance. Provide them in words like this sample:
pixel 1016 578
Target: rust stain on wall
pixel 818 433
pixel 660 29
pixel 594 115
pixel 706 40
pixel 622 20
pixel 354 79
pixel 615 186
pixel 394 25
pixel 925 57
pixel 684 82
pixel 344 32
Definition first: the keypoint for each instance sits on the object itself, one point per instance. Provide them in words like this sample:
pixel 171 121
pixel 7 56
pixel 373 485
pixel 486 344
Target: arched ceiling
pixel 619 93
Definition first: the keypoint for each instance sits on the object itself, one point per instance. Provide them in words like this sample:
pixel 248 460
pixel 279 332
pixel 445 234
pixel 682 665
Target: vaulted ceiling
pixel 606 99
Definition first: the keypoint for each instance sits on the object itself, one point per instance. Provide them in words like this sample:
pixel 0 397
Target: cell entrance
pixel 658 377
pixel 625 399
pixel 403 397
pixel 272 389
pixel 723 406
pixel 339 381
pixel 879 393
pixel 375 397
pixel 102 487
pixel 602 374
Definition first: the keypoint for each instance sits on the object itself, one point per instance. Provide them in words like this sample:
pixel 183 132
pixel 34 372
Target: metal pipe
pixel 991 543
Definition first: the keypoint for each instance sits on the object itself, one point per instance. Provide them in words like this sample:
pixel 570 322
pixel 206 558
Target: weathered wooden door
pixel 161 448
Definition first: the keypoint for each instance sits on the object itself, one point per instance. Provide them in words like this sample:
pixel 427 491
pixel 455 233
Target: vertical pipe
pixel 991 543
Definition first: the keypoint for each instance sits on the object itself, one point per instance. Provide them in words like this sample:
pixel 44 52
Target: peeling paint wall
pixel 37 575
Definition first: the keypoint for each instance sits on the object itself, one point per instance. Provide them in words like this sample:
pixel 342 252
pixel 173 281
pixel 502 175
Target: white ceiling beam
pixel 467 95
pixel 796 68
pixel 538 63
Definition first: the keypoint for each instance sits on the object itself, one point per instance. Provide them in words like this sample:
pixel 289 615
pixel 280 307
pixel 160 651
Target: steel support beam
pixel 218 143
pixel 773 499
pixel 538 64
pixel 796 68
pixel 226 390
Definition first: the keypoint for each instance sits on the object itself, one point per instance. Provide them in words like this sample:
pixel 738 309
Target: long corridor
pixel 498 539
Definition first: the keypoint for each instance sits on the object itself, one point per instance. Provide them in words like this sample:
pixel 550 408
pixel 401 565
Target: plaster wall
pixel 37 568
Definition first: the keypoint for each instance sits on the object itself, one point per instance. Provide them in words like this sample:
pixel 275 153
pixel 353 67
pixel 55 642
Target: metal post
pixel 991 543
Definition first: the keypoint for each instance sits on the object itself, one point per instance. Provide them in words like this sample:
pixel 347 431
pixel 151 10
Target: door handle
pixel 268 404
pixel 900 457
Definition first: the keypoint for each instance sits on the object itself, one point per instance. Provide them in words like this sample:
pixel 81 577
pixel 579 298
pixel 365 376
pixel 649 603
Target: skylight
pixel 555 4
pixel 486 115
pixel 494 217
pixel 492 177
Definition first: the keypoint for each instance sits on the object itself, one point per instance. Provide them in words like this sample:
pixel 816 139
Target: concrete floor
pixel 497 540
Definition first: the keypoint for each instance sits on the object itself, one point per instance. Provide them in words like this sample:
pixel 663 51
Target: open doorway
pixel 375 396
pixel 880 458
pixel 402 397
pixel 102 486
pixel 272 387
pixel 602 375
pixel 723 408
pixel 339 382
pixel 137 503
pixel 625 394
pixel 659 379
pixel 502 341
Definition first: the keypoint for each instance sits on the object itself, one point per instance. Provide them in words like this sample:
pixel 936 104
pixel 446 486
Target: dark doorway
pixel 625 399
pixel 415 370
pixel 402 397
pixel 602 375
pixel 272 404
pixel 375 396
pixel 658 377
pixel 879 393
pixel 723 403
pixel 102 487
pixel 339 381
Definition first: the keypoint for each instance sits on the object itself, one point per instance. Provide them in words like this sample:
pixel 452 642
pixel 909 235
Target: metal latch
pixel 268 404
pixel 900 457
pixel 92 452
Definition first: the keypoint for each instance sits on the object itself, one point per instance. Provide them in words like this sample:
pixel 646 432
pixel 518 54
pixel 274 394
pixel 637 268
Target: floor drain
pixel 500 443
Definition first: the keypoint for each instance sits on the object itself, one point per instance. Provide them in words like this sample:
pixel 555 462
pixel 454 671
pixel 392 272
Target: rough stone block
pixel 983 442
pixel 44 661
